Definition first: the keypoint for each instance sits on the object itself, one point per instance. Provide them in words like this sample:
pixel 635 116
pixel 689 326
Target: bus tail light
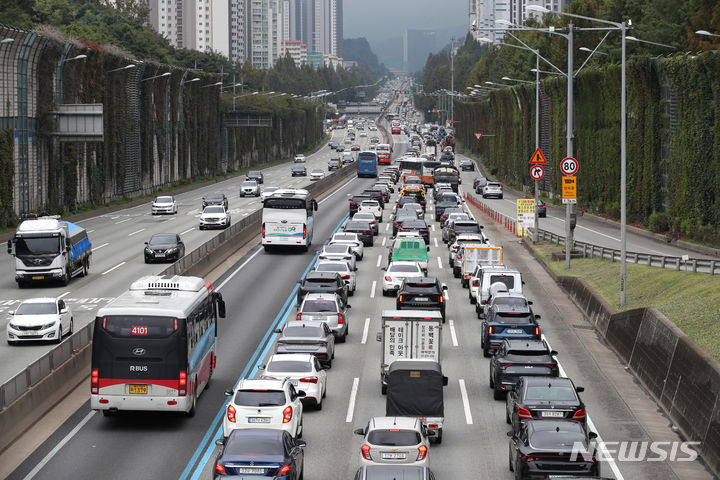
pixel 263 230
pixel 287 414
pixel 94 380
pixel 231 414
pixel 304 231
pixel 182 383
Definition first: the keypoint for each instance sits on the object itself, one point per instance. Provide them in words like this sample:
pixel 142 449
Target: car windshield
pixel 335 249
pixel 511 302
pixel 254 173
pixel 36 308
pixel 508 280
pixel 559 438
pixel 253 446
pixel 494 185
pixel 319 306
pixel 446 202
pixel 259 398
pixel 214 210
pixel 249 184
pixel 467 227
pixel 299 168
pixel 370 203
pixel 162 240
pixel 317 170
pixel 214 198
pixel 163 200
pixel 403 268
pixel 305 332
pixel 292 366
pixel 398 438
pixel 546 393
pixel 357 225
pixel 364 216
pixel 421 288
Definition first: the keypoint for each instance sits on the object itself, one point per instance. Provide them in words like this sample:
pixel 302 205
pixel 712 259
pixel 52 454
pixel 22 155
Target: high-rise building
pixel 327 27
pixel 486 13
pixel 264 32
pixel 297 50
pixel 238 28
pixel 417 44
pixel 186 23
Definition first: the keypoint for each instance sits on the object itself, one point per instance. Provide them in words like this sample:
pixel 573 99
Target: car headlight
pixel 12 325
pixel 172 250
pixel 148 250
pixel 48 325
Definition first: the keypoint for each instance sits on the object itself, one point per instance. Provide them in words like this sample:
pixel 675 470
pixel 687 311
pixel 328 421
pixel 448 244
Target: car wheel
pixel 492 382
pixel 473 300
pixel 351 293
pixel 486 352
pixel 383 389
pixel 66 279
pixel 500 197
pixel 72 327
pixel 267 248
pixel 385 293
pixel 438 438
pixel 191 412
pixel 318 404
pixel 498 394
pixel 507 417
pixel 341 339
pixel 58 335
pixel 85 267
pixel 299 432
pixel 510 465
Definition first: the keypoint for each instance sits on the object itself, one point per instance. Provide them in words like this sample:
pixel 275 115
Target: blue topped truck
pixel 49 249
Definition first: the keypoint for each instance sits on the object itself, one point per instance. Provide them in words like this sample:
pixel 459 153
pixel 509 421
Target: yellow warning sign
pixel 569 189
pixel 538 157
pixel 525 215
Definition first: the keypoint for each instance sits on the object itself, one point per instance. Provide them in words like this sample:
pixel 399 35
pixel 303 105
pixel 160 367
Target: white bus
pixel 287 219
pixel 154 346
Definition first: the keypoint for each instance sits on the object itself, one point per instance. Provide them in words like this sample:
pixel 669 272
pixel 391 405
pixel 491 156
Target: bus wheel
pixel 267 248
pixel 191 412
pixel 86 267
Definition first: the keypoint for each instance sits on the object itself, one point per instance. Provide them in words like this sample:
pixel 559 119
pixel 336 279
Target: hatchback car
pixel 397 272
pixel 325 308
pixel 298 171
pixel 255 175
pixel 164 204
pixel 425 293
pixel 493 189
pixel 260 453
pixel 214 216
pixel 303 370
pixel 339 253
pixel 543 398
pixel 394 440
pixel 249 187
pixel 520 358
pixel 314 338
pixel 548 447
pixel 317 174
pixel 39 319
pixel 362 229
pixel 370 218
pixel 466 164
pixel 164 247
pixel 268 404
pixel 215 199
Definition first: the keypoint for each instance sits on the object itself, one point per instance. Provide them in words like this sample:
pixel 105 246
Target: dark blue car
pixel 509 317
pixel 260 453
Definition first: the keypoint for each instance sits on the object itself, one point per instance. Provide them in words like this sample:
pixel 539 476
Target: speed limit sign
pixel 569 166
pixel 537 172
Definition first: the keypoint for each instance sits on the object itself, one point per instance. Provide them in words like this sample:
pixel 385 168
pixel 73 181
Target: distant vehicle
pixel 392 441
pixel 317 174
pixel 467 164
pixel 493 189
pixel 538 398
pixel 39 319
pixel 333 164
pixel 267 191
pixel 164 247
pixel 299 158
pixel 425 293
pixel 367 164
pixel 260 453
pixel 384 151
pixel 164 204
pixel 520 358
pixel 255 175
pixel 215 199
pixel 288 219
pixel 249 187
pixel 298 171
pixel 214 216
pixel 303 370
pixel 312 338
pixel 326 308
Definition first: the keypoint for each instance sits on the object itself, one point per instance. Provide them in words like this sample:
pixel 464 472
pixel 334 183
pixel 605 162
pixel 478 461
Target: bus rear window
pixel 138 326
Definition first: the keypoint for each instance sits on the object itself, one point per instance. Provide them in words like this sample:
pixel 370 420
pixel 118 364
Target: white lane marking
pixel 387 226
pixel 237 270
pixel 379 260
pixel 188 230
pixel 60 445
pixel 596 232
pixel 123 221
pixel 337 190
pixel 452 333
pixel 137 231
pixel 61 296
pixel 113 268
pixel 433 226
pixel 384 240
pixel 90 231
pixel 439 262
pixel 365 331
pixel 116 216
pixel 372 289
pixel 466 402
pixel 351 405
pixel 435 240
pixel 101 246
pixel 601 445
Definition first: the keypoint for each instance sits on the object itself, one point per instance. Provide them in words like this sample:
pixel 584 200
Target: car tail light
pixel 401 298
pixel 459 257
pixel 287 414
pixel 422 453
pixel 388 278
pixel 346 277
pixel 365 449
pixel 298 316
pixel 284 470
pixel 524 413
pixel 467 276
pixel 94 380
pixel 476 283
pixel 491 330
pixel 368 232
pixel 441 299
pixel 263 230
pixel 231 414
pixel 220 470
pixel 309 380
pixel 579 415
pixel 536 330
pixel 182 383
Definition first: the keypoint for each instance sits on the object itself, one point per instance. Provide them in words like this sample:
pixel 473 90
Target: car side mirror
pixel 348 306
pixel 579 389
pixel 64 310
pixel 378 337
pixel 530 302
pixel 277 330
pixel 359 431
pixel 427 248
pixel 445 381
pixel 510 434
pixel 301 393
pixel 592 435
pixel 11 312
pixel 430 433
pixel 220 441
pixel 537 317
pixel 261 367
pixel 301 443
pixel 228 393
pixel 553 352
pixel 444 287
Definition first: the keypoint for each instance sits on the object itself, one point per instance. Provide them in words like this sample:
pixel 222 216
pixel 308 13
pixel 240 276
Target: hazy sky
pixel 383 19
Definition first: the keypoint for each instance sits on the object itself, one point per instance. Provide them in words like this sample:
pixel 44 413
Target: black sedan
pixel 363 230
pixel 164 247
pixel 547 447
pixel 215 199
pixel 298 171
pixel 255 175
pixel 541 208
pixel 466 164
pixel 323 282
pixel 401 216
pixel 262 452
pixel 314 338
pixel 538 398
pixel 520 358
pixel 416 225
pixel 424 293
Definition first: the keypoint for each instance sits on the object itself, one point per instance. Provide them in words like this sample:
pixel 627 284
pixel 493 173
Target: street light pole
pixel 623 168
pixel 452 80
pixel 537 144
pixel 570 82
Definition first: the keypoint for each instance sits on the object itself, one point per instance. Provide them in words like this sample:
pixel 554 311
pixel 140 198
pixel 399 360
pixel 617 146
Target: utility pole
pixel 452 81
pixel 570 107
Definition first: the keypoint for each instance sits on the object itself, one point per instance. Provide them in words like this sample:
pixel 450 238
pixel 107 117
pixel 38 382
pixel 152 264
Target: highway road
pixel 259 291
pixel 118 241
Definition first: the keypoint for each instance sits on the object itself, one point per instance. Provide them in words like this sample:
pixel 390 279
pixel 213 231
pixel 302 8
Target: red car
pixel 355 148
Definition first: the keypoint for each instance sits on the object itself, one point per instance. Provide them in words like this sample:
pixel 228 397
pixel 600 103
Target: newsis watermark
pixel 636 451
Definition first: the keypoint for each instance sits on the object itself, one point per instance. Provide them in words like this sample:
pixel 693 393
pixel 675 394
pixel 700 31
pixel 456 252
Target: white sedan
pixel 303 370
pixel 164 204
pixel 317 174
pixel 267 191
pixel 40 319
pixel 351 239
pixel 340 253
pixel 397 272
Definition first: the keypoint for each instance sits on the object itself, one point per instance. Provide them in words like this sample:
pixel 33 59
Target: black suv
pixel 424 293
pixel 416 225
pixel 323 282
pixel 355 202
pixel 516 358
pixel 215 199
pixel 255 175
pixel 376 194
pixel 463 226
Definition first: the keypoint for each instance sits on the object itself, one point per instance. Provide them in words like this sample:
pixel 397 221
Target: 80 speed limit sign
pixel 569 166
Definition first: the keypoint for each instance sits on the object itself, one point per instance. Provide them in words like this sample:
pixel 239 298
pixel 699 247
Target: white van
pixel 487 276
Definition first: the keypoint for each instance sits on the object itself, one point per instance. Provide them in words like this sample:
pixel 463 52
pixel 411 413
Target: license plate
pixel 514 330
pixel 159 255
pixel 258 419
pixel 38 277
pixel 137 389
pixel 421 299
pixel 250 470
pixel 394 456
pixel 552 414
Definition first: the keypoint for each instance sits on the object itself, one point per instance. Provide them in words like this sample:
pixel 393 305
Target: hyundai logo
pixel 139 351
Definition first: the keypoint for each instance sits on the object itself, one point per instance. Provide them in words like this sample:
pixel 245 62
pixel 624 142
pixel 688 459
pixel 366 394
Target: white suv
pixel 214 216
pixel 264 404
pixel 303 370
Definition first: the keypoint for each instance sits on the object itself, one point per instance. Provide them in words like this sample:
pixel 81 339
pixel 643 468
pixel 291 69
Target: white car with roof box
pixel 39 319
pixel 304 372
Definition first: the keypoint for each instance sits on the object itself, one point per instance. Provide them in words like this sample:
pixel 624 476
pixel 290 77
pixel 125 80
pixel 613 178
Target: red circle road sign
pixel 569 166
pixel 537 172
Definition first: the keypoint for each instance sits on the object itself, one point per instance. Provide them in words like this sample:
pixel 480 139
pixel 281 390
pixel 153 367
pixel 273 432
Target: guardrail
pixel 15 387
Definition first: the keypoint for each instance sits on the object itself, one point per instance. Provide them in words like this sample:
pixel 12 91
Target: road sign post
pixel 569 166
pixel 569 190
pixel 537 160
pixel 478 136
pixel 537 172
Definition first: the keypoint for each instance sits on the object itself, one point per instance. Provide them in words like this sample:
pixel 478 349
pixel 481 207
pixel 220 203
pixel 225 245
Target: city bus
pixel 287 219
pixel 154 346
pixel 367 164
pixel 384 153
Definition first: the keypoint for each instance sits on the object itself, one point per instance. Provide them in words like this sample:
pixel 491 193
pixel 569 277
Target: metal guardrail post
pixel 712 267
pixel 694 266
pixel 649 260
pixel 662 261
pixel 602 253
pixel 635 258
pixel 677 264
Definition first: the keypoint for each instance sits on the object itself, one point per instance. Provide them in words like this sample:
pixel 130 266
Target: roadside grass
pixel 690 300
